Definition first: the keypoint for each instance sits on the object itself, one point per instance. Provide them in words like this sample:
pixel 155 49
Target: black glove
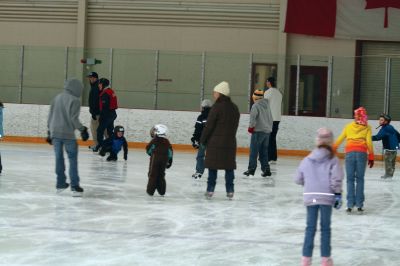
pixel 195 144
pixel 84 134
pixel 48 139
pixel 169 163
pixel 125 156
pixel 94 117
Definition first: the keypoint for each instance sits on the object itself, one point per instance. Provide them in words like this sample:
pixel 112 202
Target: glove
pixel 125 156
pixel 195 144
pixel 48 139
pixel 250 130
pixel 338 201
pixel 94 117
pixel 371 163
pixel 84 134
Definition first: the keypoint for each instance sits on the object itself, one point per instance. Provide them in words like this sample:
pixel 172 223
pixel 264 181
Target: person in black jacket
pixel 94 108
pixel 107 111
pixel 198 128
pixel 114 144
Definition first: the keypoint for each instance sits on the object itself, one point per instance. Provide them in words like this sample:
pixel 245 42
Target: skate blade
pixel 77 194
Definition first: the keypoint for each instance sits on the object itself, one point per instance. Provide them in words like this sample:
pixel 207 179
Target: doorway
pixel 260 73
pixel 312 91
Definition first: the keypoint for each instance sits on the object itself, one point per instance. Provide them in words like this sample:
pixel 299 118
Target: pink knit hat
pixel 360 116
pixel 324 137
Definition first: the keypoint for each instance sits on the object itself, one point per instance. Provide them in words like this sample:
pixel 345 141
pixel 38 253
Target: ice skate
pixel 249 172
pixel 266 173
pixel 197 175
pixel 209 194
pixel 348 210
pixel 61 189
pixel 326 261
pixel 306 261
pixel 360 210
pixel 77 191
pixel 229 195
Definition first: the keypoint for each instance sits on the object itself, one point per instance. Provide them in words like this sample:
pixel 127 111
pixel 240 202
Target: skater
pixel 108 105
pixel 114 144
pixel 62 122
pixel 219 139
pixel 260 128
pixel 274 96
pixel 94 108
pixel 321 175
pixel 1 130
pixel 358 151
pixel 200 123
pixel 161 155
pixel 390 140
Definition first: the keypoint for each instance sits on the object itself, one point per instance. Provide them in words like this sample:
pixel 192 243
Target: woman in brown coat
pixel 219 137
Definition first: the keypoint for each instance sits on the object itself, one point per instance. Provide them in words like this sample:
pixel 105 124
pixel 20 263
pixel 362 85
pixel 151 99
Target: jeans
pixel 200 159
pixel 390 162
pixel 259 147
pixel 71 147
pixel 272 149
pixel 312 219
pixel 212 180
pixel 356 162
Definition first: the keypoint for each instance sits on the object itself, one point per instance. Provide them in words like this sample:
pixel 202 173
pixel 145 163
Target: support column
pixel 282 52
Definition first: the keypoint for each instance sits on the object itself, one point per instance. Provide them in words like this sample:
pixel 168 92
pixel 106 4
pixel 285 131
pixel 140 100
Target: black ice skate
pixel 197 175
pixel 249 172
pixel 112 157
pixel 61 189
pixel 77 191
pixel 266 173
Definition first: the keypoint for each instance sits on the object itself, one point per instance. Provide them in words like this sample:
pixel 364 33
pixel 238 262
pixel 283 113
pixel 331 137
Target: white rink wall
pixel 295 133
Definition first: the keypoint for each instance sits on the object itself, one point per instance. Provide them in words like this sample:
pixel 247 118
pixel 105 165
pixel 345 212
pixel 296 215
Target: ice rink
pixel 117 223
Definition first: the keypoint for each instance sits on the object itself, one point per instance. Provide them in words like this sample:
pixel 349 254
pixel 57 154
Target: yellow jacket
pixel 358 138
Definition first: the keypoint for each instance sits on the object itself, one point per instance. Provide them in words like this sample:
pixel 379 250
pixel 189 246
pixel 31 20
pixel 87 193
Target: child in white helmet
pixel 160 151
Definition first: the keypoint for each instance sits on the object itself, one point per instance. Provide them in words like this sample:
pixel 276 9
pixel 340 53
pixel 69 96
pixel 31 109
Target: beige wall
pixel 38 34
pixel 183 38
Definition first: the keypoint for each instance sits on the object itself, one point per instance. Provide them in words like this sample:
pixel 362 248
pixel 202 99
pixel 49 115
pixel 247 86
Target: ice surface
pixel 116 223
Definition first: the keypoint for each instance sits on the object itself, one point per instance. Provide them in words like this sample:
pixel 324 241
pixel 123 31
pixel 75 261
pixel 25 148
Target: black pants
pixel 272 151
pixel 1 166
pixel 105 123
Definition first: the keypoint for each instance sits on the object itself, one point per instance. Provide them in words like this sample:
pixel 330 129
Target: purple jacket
pixel 321 177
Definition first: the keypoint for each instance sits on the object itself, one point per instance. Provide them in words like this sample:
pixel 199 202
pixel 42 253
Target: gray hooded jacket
pixel 64 111
pixel 261 117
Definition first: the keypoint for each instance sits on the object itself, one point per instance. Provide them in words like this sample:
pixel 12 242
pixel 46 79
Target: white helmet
pixel 160 130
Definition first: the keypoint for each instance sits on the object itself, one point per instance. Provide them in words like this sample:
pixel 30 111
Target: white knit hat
pixel 324 137
pixel 223 88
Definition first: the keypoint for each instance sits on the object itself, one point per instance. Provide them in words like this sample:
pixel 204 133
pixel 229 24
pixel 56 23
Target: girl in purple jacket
pixel 321 175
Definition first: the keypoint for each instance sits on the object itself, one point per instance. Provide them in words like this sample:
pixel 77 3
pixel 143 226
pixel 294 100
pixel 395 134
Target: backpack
pixel 113 99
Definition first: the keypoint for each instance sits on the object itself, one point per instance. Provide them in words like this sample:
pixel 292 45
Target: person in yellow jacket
pixel 359 150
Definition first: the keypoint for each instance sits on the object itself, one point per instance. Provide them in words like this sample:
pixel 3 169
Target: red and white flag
pixel 350 19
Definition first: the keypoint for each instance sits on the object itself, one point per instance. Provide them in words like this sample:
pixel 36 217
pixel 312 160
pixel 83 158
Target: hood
pixel 263 102
pixel 74 87
pixel 319 155
pixel 357 128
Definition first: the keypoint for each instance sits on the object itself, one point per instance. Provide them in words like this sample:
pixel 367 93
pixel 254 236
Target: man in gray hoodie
pixel 62 122
pixel 260 128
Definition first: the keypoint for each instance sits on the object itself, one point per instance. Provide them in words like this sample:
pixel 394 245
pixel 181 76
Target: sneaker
pixel 197 175
pixel 77 191
pixel 249 172
pixel 266 173
pixel 326 261
pixel 229 195
pixel 61 189
pixel 209 194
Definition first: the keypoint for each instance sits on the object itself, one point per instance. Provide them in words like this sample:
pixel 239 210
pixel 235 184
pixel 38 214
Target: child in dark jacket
pixel 198 129
pixel 390 140
pixel 114 144
pixel 160 151
pixel 321 175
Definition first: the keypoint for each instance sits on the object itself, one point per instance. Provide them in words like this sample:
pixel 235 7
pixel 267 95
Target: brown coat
pixel 219 135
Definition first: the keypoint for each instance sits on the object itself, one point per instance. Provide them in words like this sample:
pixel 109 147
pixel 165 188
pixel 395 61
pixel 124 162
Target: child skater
pixel 389 136
pixel 198 128
pixel 114 144
pixel 358 151
pixel 1 130
pixel 321 175
pixel 160 151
